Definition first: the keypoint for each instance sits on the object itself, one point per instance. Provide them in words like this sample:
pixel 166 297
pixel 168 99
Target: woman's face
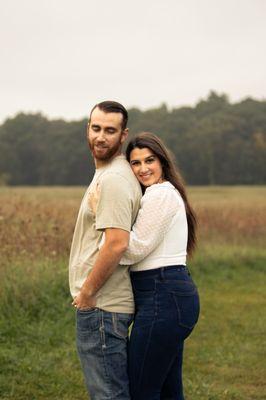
pixel 146 166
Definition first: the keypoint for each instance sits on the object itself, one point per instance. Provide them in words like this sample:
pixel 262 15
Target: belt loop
pixel 162 273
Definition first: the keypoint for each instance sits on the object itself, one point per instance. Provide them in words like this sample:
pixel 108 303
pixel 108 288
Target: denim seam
pixel 146 351
pixel 102 333
pixel 184 294
pixel 156 302
pixel 150 333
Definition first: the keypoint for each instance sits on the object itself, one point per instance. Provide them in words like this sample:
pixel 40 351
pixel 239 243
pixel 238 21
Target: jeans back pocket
pixel 187 303
pixel 121 324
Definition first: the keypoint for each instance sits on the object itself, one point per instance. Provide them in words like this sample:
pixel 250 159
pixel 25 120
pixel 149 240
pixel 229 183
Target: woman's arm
pixel 158 207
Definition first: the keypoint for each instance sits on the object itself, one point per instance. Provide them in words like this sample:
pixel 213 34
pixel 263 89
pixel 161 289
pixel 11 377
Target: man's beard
pixel 107 153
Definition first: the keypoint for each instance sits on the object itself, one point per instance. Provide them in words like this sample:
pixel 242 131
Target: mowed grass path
pixel 223 357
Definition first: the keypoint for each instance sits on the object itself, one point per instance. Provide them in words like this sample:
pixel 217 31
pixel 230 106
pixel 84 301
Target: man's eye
pixel 110 131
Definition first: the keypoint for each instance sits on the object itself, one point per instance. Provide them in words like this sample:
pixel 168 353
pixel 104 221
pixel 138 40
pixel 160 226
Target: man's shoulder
pixel 121 165
pixel 120 169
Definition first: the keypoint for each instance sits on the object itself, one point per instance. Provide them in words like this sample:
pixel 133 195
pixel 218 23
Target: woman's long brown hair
pixel 170 173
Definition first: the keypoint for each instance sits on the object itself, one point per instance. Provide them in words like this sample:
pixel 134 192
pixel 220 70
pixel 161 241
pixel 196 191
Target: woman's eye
pixel 150 160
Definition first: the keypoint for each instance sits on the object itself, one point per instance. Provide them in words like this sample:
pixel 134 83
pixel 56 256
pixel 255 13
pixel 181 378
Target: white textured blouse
pixel 159 235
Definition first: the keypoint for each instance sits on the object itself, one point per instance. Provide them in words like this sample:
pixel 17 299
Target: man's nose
pixel 101 136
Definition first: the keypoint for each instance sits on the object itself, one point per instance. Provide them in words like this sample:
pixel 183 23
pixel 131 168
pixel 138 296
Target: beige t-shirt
pixel 118 196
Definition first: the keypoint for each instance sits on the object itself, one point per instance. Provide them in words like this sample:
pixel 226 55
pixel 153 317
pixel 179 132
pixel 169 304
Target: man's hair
pixel 113 107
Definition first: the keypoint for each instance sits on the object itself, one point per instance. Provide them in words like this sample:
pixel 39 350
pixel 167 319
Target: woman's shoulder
pixel 161 190
pixel 163 187
pixel 163 193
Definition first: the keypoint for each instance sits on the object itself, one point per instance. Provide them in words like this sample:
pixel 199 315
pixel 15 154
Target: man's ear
pixel 124 135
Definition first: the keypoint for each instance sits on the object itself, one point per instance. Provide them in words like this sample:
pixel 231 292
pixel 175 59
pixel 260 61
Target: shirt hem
pixel 117 309
pixel 100 227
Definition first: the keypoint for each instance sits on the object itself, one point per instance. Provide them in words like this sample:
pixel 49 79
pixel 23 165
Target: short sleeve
pixel 114 209
pixel 158 208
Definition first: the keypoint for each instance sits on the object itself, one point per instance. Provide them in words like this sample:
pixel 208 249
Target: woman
pixel 166 298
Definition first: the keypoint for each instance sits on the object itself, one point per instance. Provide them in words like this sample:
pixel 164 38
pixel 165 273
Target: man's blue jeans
pixel 102 346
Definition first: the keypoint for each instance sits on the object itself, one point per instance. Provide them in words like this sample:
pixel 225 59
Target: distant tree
pixel 215 142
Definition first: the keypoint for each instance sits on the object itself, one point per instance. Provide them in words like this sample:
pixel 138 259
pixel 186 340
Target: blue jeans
pixel 102 339
pixel 167 309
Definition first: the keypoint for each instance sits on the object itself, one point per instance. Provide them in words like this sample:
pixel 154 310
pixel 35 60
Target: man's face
pixel 105 135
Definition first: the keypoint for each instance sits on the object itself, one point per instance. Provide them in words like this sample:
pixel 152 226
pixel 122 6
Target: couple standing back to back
pixel 135 214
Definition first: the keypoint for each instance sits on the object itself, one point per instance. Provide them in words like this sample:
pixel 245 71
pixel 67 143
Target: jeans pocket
pixel 188 308
pixel 86 310
pixel 121 324
pixel 87 320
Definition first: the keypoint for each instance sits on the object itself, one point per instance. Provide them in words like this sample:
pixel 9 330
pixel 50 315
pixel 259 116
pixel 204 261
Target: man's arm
pixel 116 243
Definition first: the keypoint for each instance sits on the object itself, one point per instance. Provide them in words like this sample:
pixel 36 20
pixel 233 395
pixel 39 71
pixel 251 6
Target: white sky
pixel 60 57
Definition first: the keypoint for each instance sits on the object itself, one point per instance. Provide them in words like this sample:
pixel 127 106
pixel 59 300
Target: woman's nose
pixel 143 168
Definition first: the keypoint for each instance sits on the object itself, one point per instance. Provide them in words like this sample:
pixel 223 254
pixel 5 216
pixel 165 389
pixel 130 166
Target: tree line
pixel 214 142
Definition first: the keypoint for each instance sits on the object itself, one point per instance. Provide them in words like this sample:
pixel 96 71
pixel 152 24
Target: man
pixel 101 287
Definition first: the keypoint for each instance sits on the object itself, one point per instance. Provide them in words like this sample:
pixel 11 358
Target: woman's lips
pixel 145 176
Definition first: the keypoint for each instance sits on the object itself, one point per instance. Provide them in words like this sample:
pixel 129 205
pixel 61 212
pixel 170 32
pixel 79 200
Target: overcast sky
pixel 60 57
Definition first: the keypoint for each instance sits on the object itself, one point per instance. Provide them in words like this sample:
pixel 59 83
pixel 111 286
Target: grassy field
pixel 224 356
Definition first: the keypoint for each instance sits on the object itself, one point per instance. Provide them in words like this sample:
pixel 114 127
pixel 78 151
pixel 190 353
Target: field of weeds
pixel 224 355
pixel 41 220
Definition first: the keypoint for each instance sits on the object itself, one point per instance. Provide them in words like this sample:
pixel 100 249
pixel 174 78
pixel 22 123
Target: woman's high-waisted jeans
pixel 167 309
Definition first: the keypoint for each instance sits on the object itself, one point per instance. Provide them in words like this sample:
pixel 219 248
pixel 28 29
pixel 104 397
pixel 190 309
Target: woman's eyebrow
pixel 149 157
pixel 145 159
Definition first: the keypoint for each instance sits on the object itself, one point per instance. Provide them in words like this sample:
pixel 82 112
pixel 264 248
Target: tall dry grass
pixel 40 221
pixel 37 222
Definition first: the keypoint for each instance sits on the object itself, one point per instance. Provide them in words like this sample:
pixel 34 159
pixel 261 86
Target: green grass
pixel 223 356
pixel 38 357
